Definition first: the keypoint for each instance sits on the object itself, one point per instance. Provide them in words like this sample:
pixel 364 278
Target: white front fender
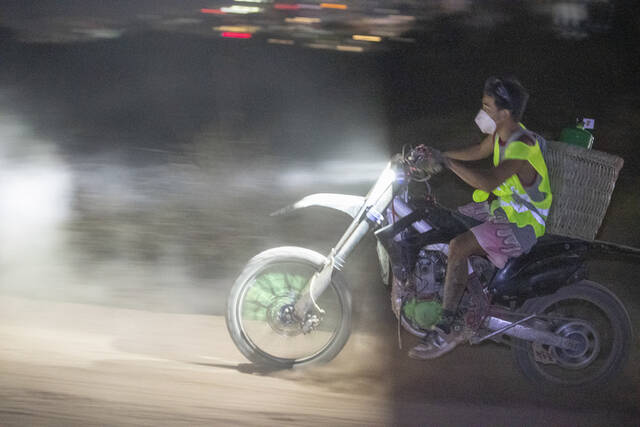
pixel 342 202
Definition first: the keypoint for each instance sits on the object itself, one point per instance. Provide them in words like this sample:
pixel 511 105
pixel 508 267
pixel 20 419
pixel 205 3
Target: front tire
pixel 271 282
pixel 598 319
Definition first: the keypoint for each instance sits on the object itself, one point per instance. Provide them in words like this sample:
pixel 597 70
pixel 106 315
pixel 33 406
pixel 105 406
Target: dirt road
pixel 64 364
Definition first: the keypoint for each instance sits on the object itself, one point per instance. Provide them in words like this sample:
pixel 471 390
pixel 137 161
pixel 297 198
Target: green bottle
pixel 579 135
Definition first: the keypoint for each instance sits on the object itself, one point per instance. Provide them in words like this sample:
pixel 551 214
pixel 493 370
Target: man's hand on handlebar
pixel 425 161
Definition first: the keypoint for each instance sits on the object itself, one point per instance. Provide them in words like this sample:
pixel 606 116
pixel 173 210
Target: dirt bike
pixel 291 306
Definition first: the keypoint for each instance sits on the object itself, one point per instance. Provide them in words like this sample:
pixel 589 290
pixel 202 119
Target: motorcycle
pixel 291 306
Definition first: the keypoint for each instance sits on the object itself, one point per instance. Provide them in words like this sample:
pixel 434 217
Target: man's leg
pixel 460 249
pixel 442 340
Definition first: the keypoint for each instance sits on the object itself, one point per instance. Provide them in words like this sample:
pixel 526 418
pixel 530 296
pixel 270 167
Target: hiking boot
pixel 437 343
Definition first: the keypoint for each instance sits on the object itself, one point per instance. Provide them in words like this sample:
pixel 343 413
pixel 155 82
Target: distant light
pixel 237 28
pixel 99 33
pixel 350 48
pixel 280 41
pixel 232 35
pixel 241 9
pixel 303 20
pixel 404 17
pixel 321 46
pixel 310 6
pixel 333 6
pixel 286 6
pixel 212 11
pixel 367 38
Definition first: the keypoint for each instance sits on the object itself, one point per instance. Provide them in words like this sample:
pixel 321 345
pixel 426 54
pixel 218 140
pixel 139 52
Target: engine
pixel 418 297
pixel 429 273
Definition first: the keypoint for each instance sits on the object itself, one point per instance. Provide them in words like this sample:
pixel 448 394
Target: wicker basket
pixel 581 183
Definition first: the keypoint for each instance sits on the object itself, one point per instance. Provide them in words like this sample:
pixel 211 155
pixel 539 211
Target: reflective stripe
pixel 522 209
pixel 526 199
pixel 524 219
pixel 521 199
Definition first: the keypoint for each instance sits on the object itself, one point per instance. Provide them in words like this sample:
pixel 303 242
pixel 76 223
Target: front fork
pixel 321 279
pixel 368 217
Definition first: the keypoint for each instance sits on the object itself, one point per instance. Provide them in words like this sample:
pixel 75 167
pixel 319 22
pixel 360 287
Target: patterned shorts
pixel 496 235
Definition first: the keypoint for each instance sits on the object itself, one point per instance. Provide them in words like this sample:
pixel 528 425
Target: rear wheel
pixel 595 318
pixel 259 311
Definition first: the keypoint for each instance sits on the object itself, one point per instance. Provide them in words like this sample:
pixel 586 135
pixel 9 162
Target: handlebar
pixel 410 163
pixel 420 163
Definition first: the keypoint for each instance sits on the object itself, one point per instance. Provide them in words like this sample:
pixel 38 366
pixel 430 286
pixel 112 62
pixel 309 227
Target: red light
pixel 233 35
pixel 286 6
pixel 212 11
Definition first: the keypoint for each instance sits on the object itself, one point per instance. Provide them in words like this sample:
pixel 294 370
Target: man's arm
pixel 473 152
pixel 487 179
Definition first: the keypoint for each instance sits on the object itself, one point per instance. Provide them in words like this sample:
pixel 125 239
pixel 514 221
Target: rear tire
pixel 601 321
pixel 285 261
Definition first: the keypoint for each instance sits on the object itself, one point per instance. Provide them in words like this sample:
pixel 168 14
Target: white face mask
pixel 485 122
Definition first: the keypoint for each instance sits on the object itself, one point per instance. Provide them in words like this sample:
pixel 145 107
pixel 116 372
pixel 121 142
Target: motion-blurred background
pixel 144 143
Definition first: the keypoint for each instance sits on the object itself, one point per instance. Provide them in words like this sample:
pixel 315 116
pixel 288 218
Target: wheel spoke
pixel 287 282
pixel 270 330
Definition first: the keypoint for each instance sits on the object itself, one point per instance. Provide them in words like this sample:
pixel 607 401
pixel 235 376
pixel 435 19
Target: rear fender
pixel 552 263
pixel 555 261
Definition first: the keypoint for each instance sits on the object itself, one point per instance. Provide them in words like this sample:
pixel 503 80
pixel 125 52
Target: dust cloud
pixel 35 203
pixel 163 235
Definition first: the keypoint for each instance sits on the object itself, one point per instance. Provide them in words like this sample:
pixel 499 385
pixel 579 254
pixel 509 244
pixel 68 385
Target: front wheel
pixel 590 314
pixel 260 304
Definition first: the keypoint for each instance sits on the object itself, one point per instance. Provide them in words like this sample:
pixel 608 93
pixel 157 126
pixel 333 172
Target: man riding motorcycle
pixel 512 221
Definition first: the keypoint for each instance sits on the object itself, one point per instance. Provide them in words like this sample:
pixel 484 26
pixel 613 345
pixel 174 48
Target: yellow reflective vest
pixel 519 207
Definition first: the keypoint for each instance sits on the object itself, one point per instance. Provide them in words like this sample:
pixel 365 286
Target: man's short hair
pixel 508 94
